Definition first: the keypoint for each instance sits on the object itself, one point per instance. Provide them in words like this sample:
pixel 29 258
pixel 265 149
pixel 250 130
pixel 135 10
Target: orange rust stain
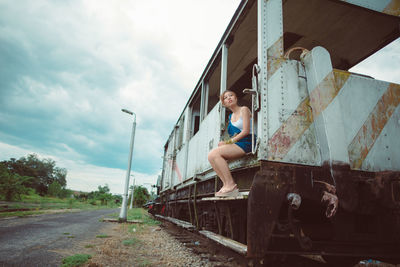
pixel 275 53
pixel 373 126
pixel 340 77
pixel 273 65
pixel 294 127
pixel 290 131
pixel 393 8
pixel 327 90
pixel 276 50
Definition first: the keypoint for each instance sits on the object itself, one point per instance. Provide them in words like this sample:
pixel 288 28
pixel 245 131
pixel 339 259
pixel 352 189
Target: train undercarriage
pixel 341 214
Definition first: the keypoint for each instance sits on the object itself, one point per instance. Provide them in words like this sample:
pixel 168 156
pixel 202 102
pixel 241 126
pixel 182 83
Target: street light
pixel 133 189
pixel 122 215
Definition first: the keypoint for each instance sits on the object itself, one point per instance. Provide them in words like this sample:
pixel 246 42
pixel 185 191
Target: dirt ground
pixel 150 245
pixel 139 245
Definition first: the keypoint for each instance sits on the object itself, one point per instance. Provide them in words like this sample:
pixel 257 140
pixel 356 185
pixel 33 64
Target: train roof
pixel 348 30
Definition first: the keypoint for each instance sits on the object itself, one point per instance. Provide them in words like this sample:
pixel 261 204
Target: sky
pixel 69 67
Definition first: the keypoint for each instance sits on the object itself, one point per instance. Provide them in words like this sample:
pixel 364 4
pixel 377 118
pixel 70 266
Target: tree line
pixel 20 176
pixel 31 174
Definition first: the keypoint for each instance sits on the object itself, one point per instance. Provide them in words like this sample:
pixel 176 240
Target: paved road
pixel 33 241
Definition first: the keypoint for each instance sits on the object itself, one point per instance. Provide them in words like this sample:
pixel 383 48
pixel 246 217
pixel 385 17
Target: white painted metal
pixel 224 67
pixel 224 77
pixel 358 97
pixel 293 92
pixel 255 105
pixel 167 168
pixel 262 77
pixel 385 153
pixel 205 139
pixel 329 124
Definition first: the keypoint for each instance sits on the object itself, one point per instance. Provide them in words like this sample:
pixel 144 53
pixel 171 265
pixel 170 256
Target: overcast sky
pixel 69 67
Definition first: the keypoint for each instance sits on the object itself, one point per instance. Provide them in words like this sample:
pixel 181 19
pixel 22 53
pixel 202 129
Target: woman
pixel 239 129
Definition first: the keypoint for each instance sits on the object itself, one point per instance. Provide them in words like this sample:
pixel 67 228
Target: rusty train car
pixel 324 175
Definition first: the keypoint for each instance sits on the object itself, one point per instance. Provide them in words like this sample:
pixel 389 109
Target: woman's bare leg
pixel 218 159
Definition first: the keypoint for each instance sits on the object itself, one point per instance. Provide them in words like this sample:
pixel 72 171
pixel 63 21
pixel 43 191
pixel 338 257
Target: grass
pixel 39 205
pixel 141 214
pixel 130 242
pixel 138 214
pixel 75 260
pixel 89 246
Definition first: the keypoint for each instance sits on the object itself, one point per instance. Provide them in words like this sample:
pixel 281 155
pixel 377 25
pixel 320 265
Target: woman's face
pixel 229 99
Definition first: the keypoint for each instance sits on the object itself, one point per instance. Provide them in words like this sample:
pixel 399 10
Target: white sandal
pixel 232 193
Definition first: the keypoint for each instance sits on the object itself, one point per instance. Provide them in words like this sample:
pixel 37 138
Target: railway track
pixel 217 254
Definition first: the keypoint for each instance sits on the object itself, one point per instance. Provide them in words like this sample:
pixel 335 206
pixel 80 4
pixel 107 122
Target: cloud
pixel 72 65
pixel 384 65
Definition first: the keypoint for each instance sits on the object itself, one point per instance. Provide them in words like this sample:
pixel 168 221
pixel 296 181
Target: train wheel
pixel 336 261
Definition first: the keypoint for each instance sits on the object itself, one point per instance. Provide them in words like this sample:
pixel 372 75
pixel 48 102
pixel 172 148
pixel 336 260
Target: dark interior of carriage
pixel 350 33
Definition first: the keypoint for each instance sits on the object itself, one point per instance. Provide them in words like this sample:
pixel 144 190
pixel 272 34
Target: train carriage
pixel 324 174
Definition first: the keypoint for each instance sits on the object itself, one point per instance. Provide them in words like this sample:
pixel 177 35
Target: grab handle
pixel 255 103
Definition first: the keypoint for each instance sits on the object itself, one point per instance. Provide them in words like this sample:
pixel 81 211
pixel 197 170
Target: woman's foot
pixel 224 191
pixel 233 193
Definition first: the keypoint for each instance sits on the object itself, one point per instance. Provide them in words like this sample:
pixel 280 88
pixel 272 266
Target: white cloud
pixel 73 65
pixel 383 65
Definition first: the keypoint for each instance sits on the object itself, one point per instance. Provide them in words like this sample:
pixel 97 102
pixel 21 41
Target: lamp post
pixel 133 190
pixel 122 215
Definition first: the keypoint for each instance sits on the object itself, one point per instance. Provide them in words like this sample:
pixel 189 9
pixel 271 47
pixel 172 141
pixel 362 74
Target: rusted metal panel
pixel 292 140
pixel 264 204
pixel 328 118
pixel 328 214
pixel 372 128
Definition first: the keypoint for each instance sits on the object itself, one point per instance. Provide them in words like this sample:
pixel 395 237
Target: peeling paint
pixel 275 57
pixel 373 126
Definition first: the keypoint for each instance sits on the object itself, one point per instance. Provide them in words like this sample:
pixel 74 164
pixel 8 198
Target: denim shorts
pixel 245 143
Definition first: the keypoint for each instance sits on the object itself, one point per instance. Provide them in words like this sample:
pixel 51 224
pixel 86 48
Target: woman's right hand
pixel 221 143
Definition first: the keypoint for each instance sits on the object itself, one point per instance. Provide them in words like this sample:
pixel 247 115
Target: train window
pixel 180 130
pixel 212 86
pixel 195 116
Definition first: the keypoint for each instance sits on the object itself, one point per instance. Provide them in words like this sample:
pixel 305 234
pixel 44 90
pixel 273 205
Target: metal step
pixel 180 223
pixel 227 242
pixel 242 195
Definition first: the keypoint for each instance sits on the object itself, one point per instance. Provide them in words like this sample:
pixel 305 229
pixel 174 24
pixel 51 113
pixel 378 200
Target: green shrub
pixel 12 184
pixel 75 260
